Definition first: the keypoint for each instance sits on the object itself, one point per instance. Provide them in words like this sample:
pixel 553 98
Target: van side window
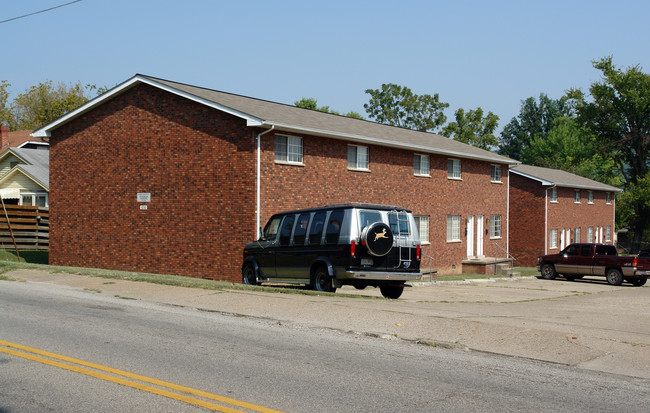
pixel 301 230
pixel 271 229
pixel 334 227
pixel 287 226
pixel 316 229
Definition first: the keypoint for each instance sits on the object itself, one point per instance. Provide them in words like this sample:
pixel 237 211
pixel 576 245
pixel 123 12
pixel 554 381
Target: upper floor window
pixel 358 157
pixel 554 194
pixel 453 168
pixel 495 173
pixel 590 197
pixel 576 196
pixel 288 149
pixel 609 197
pixel 422 222
pixel 495 226
pixel 421 165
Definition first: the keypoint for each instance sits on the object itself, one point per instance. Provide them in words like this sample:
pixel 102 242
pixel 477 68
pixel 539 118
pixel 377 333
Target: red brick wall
pixel 527 212
pixel 325 179
pixel 196 162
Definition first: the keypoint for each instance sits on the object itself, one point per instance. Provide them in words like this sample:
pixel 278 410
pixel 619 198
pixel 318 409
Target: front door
pixel 479 236
pixel 470 236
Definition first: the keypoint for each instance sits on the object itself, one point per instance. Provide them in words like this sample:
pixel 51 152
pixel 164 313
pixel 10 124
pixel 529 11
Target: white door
pixel 470 236
pixel 568 237
pixel 479 236
pixel 562 238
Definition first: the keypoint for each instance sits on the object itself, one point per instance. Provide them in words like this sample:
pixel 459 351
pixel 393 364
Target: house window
pixel 453 168
pixel 453 228
pixel 358 157
pixel 609 197
pixel 495 173
pixel 495 226
pixel 590 234
pixel 554 194
pixel 421 165
pixel 422 222
pixel 34 199
pixel 288 149
pixel 576 235
pixel 576 196
pixel 608 233
pixel 553 239
pixel 590 197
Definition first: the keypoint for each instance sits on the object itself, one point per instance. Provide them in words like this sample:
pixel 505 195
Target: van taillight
pixel 417 253
pixel 353 249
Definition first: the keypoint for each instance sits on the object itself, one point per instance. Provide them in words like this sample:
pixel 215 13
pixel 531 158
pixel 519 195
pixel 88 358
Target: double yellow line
pixel 166 389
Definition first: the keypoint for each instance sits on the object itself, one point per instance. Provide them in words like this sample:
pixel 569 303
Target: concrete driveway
pixel 585 323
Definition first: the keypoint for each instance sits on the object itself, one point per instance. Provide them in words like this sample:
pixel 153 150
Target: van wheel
pixel 391 291
pixel 548 272
pixel 248 275
pixel 614 277
pixel 321 280
pixel 638 282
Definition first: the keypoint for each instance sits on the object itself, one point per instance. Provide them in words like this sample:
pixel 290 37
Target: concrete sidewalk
pixel 585 323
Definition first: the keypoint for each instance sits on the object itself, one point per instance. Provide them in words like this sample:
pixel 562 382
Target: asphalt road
pixel 268 363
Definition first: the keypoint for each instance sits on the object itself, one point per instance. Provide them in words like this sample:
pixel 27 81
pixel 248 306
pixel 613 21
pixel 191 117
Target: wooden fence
pixel 30 226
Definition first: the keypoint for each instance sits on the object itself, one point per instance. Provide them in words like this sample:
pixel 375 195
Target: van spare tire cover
pixel 378 239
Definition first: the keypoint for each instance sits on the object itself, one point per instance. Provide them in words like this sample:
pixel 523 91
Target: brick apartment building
pixel 550 208
pixel 164 177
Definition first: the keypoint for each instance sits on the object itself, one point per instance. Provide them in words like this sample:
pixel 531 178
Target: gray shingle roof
pixel 557 177
pixel 38 164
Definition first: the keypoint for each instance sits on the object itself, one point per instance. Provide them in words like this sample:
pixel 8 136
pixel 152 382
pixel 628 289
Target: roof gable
pixel 557 177
pixel 36 165
pixel 288 118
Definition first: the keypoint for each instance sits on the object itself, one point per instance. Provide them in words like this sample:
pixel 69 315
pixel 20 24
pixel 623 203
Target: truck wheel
pixel 614 277
pixel 638 282
pixel 391 291
pixel 248 275
pixel 548 272
pixel 321 280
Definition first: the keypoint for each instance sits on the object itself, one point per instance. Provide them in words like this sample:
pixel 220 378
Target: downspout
pixel 258 183
pixel 508 217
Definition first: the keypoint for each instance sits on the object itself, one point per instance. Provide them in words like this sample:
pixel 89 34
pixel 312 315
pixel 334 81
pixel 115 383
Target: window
pixel 552 242
pixel 576 235
pixel 590 234
pixel 421 165
pixel 422 222
pixel 288 149
pixel 287 226
pixel 608 233
pixel 453 168
pixel 605 250
pixel 271 229
pixel 300 234
pixel 609 197
pixel 358 157
pixel 590 197
pixel 316 229
pixel 453 228
pixel 334 227
pixel 495 226
pixel 576 196
pixel 495 173
pixel 34 199
pixel 398 223
pixel 554 194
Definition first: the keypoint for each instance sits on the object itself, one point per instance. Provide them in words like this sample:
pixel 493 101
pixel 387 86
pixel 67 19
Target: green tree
pixel 44 103
pixel 618 114
pixel 398 106
pixel 312 104
pixel 535 120
pixel 5 111
pixel 472 128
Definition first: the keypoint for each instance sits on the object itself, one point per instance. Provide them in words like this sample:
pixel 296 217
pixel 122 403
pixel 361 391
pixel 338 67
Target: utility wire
pixel 42 11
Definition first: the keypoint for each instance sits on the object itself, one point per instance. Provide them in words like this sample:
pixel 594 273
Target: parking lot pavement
pixel 585 323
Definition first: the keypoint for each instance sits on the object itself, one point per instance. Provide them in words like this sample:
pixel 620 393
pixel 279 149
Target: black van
pixel 348 244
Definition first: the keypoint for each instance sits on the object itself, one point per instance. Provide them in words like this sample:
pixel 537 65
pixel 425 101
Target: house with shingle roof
pixel 166 177
pixel 551 208
pixel 24 176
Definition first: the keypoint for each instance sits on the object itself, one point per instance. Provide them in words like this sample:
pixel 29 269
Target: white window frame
pixel 421 165
pixel 552 239
pixel 590 197
pixel 608 198
pixel 554 194
pixel 453 228
pixel 495 226
pixel 422 223
pixel 288 150
pixel 357 159
pixel 576 235
pixel 33 196
pixel 495 173
pixel 454 172
pixel 576 196
pixel 590 234
pixel 608 233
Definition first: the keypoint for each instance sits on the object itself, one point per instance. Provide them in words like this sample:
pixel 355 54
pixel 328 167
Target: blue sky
pixel 473 53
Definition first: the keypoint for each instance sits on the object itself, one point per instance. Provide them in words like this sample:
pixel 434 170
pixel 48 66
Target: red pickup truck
pixel 578 260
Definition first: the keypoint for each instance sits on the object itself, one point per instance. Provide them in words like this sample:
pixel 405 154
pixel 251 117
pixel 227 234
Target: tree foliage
pixel 312 104
pixel 473 128
pixel 398 106
pixel 5 110
pixel 535 121
pixel 618 114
